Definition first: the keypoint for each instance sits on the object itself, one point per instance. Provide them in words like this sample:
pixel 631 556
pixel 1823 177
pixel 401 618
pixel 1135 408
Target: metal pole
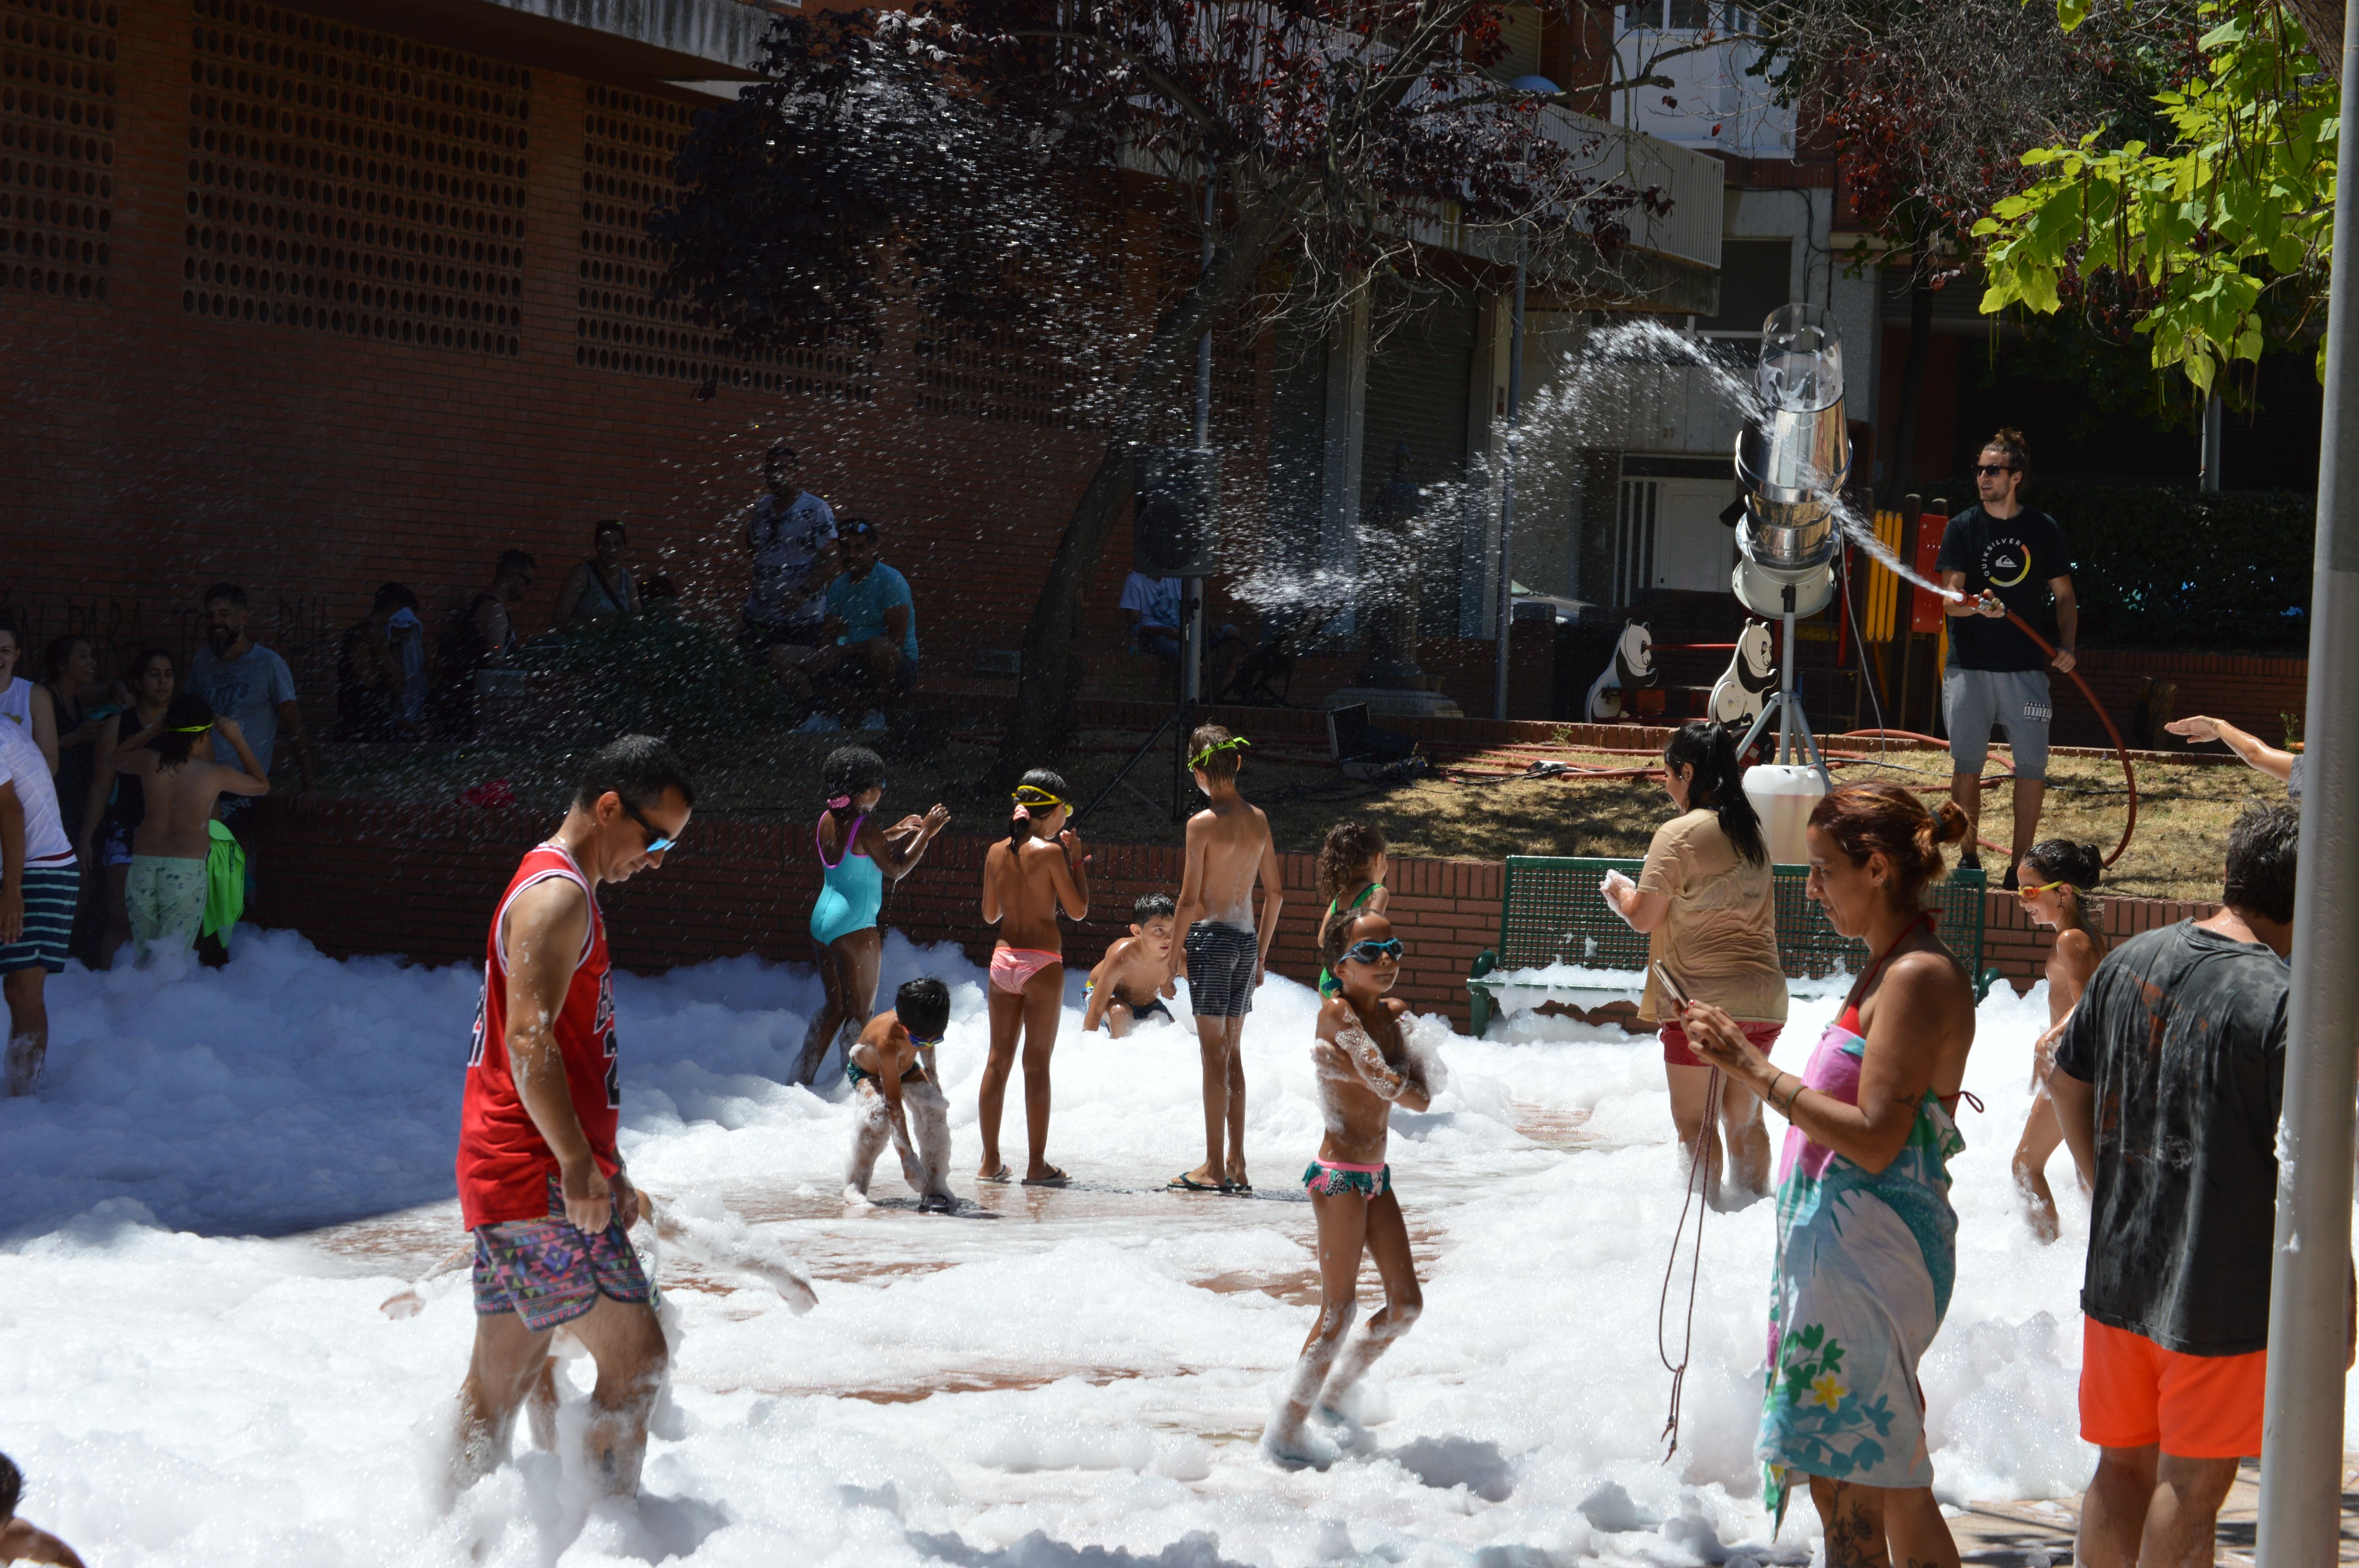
pixel 1507 489
pixel 1786 686
pixel 2301 1456
pixel 1192 617
pixel 2213 419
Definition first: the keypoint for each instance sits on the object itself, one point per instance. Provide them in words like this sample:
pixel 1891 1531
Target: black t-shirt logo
pixel 2007 563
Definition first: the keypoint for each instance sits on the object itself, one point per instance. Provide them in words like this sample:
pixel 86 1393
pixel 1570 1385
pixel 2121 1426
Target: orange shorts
pixel 2135 1394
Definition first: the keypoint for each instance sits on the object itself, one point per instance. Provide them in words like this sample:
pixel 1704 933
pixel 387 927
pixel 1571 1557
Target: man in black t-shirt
pixel 2180 1039
pixel 2004 556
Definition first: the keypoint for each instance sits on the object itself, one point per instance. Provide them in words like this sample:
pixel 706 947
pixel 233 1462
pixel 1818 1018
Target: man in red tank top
pixel 540 1182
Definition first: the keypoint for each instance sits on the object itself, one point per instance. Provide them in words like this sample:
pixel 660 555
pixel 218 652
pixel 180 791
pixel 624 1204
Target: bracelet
pixel 1798 1087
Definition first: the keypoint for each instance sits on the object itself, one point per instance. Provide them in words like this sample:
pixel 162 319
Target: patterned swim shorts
pixel 1220 962
pixel 549 1273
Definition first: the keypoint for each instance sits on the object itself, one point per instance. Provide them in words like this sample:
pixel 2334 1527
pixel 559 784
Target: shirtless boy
pixel 1229 849
pixel 540 1181
pixel 164 889
pixel 1364 1070
pixel 1131 981
pixel 22 1541
pixel 1038 869
pixel 891 1069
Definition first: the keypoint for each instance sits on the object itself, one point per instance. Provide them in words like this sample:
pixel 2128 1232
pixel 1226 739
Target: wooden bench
pixel 1551 913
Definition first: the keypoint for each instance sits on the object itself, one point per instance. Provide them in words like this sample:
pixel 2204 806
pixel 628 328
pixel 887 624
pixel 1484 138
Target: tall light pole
pixel 1508 487
pixel 2301 1456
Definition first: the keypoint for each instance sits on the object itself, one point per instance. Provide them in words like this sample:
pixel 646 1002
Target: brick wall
pixel 355 878
pixel 2248 692
pixel 152 446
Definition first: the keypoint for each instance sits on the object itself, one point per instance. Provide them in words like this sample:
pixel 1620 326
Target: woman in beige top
pixel 1708 907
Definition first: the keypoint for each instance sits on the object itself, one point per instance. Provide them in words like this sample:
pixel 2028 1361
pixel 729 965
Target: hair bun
pixel 1950 823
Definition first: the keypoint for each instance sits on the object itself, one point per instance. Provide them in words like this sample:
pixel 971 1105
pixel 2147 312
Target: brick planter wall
pixel 361 877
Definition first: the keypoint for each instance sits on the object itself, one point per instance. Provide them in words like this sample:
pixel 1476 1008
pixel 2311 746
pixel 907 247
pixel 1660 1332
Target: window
pixel 629 140
pixel 1690 16
pixel 1756 277
pixel 57 146
pixel 354 182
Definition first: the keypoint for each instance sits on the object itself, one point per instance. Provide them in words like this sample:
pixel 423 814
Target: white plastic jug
pixel 1783 796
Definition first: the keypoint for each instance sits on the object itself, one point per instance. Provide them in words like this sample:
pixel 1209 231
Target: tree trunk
pixel 2322 20
pixel 1041 721
pixel 1912 373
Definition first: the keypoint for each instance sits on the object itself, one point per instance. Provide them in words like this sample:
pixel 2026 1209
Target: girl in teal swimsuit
pixel 855 857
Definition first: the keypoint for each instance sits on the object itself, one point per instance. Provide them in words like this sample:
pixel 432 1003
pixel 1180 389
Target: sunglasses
pixel 1371 952
pixel 657 841
pixel 1986 469
pixel 2029 893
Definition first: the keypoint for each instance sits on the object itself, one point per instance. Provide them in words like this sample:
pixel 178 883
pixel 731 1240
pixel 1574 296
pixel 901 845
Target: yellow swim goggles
pixel 1033 794
pixel 1231 744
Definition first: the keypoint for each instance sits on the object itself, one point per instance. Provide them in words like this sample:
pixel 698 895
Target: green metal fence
pixel 1552 913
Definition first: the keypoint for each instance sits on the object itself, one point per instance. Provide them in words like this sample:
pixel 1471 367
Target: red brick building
pixel 315 296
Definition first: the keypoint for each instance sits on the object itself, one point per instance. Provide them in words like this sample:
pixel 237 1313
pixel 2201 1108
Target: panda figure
pixel 1742 689
pixel 1632 666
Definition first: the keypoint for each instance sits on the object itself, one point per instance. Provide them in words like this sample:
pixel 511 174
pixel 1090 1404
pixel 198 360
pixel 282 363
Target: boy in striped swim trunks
pixel 39 883
pixel 1229 849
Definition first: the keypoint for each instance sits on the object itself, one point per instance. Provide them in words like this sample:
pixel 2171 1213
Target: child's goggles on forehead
pixel 1370 952
pixel 1206 755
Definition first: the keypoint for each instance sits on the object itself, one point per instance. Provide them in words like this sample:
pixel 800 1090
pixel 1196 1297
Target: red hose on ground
pixel 2129 773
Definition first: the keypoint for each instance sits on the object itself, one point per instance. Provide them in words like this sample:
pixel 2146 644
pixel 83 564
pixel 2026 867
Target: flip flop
pixel 1238 1189
pixel 999 1177
pixel 1055 1178
pixel 1185 1182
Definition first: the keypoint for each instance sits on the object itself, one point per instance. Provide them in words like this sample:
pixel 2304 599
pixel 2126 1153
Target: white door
pixel 1693 550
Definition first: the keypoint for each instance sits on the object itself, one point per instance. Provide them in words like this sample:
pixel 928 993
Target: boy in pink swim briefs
pixel 1365 1069
pixel 1040 869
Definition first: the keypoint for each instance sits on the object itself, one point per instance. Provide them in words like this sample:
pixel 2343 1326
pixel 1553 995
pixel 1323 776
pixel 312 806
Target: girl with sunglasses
pixel 2055 883
pixel 856 857
pixel 1364 1068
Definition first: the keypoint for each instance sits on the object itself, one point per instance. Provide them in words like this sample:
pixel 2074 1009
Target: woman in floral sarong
pixel 1866 1239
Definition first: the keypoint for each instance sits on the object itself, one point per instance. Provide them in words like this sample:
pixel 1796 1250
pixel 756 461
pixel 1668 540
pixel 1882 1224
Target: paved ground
pixel 2041 1533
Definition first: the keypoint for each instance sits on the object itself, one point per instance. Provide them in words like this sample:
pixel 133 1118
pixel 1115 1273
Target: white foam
pixel 184 1392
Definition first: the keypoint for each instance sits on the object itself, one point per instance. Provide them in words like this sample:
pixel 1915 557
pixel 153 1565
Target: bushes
pixel 2180 569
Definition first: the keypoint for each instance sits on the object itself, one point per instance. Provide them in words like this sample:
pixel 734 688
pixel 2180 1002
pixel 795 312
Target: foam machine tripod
pixel 1791 460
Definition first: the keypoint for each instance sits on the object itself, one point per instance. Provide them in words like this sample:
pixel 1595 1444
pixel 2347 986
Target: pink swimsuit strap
pixel 849 839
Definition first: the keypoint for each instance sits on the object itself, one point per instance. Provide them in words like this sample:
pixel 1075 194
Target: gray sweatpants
pixel 927 1167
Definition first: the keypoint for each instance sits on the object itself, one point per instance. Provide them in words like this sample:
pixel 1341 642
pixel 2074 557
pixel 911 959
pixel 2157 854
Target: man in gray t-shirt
pixel 2169 1085
pixel 249 684
pixel 790 532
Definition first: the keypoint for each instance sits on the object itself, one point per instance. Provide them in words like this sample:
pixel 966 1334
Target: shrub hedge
pixel 2176 569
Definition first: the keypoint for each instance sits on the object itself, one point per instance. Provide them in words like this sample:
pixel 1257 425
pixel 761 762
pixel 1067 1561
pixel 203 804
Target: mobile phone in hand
pixel 1671 988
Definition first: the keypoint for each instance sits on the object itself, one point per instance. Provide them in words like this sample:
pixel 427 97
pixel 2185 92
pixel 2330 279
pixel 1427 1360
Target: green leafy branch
pixel 2200 232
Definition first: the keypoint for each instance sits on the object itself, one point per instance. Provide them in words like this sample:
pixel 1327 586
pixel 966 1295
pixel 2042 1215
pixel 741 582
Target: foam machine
pixel 1791 460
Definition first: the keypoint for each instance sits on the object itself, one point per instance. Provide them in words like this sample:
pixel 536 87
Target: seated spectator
pixel 1152 607
pixel 26 703
pixel 601 587
pixel 872 624
pixel 371 681
pixel 790 532
pixel 482 637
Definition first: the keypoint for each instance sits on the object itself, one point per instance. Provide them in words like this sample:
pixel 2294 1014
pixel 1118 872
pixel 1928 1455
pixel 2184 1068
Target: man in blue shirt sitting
pixel 872 627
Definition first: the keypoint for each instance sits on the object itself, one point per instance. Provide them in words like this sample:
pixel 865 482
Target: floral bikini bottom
pixel 1334 1178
